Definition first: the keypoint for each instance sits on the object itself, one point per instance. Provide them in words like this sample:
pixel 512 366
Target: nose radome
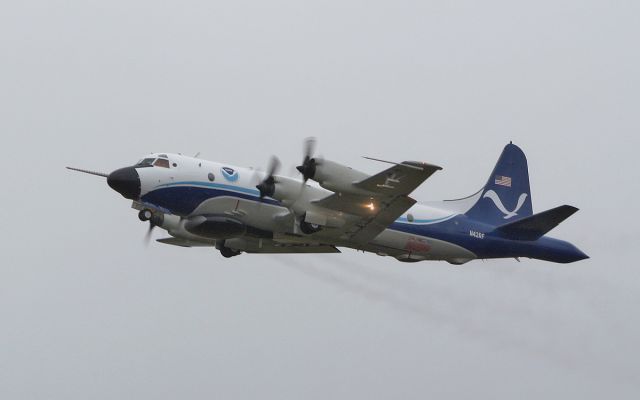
pixel 125 181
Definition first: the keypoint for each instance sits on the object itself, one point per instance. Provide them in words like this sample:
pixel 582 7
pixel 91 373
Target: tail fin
pixel 506 197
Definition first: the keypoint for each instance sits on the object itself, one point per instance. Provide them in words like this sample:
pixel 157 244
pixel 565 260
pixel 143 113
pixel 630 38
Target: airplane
pixel 244 210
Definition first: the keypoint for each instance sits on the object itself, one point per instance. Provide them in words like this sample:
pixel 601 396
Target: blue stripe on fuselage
pixel 182 198
pixel 234 188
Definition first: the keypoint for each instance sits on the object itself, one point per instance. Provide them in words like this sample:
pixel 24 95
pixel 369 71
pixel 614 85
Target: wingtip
pixel 571 209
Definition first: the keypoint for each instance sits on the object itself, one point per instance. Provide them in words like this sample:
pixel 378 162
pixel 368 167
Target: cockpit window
pixel 146 162
pixel 161 162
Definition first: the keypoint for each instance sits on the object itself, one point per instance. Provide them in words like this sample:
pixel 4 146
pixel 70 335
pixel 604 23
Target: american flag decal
pixel 503 180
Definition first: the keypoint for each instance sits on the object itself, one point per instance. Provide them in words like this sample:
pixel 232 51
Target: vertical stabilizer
pixel 506 197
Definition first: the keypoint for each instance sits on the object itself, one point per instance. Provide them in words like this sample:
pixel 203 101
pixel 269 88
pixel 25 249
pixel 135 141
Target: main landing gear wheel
pixel 145 215
pixel 228 253
pixel 308 228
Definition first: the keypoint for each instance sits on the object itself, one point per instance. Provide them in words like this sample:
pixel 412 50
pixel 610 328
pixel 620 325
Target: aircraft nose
pixel 125 181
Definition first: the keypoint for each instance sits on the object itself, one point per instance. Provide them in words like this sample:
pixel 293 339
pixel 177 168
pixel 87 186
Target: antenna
pixel 89 172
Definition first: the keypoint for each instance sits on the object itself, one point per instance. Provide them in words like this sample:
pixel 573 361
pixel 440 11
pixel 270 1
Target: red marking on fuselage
pixel 417 245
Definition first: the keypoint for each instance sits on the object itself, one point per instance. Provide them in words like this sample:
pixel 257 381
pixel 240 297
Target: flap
pixel 267 246
pixel 294 249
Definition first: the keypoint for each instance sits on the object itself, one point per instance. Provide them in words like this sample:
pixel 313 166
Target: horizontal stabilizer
pixel 537 225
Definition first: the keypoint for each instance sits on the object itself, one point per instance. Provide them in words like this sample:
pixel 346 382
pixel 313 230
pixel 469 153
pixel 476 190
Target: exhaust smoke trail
pixel 517 326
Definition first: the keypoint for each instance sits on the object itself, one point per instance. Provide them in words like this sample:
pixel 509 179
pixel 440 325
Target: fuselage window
pixel 161 162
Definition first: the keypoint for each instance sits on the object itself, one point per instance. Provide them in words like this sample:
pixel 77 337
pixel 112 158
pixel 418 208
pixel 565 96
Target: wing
pixel 185 243
pixel 400 179
pixel 269 246
pixel 293 249
pixel 253 245
pixel 387 198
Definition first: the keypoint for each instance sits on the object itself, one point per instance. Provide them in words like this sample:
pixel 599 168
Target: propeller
pixel 154 219
pixel 147 236
pixel 308 167
pixel 268 186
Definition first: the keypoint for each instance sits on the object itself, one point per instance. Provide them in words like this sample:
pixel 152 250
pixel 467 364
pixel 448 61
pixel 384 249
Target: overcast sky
pixel 86 311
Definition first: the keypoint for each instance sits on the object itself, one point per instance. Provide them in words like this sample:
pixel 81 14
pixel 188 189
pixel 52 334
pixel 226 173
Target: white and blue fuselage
pixel 188 191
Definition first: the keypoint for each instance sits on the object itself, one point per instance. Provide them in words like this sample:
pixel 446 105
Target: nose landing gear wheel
pixel 145 215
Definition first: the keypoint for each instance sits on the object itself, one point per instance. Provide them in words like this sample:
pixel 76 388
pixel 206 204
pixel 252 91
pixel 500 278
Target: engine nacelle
pixel 286 189
pixel 338 178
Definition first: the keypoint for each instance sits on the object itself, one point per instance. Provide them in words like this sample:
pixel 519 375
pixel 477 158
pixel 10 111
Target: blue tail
pixel 506 197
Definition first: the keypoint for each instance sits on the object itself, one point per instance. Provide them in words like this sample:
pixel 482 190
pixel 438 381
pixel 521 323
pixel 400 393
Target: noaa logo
pixel 229 174
pixel 496 200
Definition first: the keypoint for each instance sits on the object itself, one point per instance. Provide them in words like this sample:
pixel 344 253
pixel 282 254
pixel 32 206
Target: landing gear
pixel 227 252
pixel 145 215
pixel 308 228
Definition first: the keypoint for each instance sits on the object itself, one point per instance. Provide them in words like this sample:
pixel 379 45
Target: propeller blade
pixel 274 165
pixel 268 186
pixel 308 167
pixel 309 147
pixel 147 237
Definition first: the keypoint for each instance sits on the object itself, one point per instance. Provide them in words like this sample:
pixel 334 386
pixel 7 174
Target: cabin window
pixel 211 177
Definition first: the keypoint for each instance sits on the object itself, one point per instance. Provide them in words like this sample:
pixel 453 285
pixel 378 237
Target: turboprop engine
pixel 330 174
pixel 282 188
pixel 278 187
pixel 335 176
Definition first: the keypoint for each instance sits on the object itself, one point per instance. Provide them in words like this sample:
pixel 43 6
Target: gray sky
pixel 87 311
